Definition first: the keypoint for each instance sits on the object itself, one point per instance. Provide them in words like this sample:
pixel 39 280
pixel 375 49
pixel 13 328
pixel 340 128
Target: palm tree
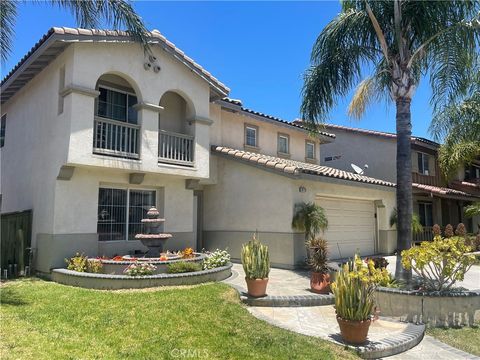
pixel 400 41
pixel 88 13
pixel 309 218
pixel 457 123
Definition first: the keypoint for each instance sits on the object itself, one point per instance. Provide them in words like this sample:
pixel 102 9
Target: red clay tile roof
pixel 370 132
pixel 270 117
pixel 156 38
pixel 293 167
pixel 442 190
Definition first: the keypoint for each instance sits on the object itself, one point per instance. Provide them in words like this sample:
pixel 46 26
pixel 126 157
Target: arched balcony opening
pixel 117 127
pixel 176 141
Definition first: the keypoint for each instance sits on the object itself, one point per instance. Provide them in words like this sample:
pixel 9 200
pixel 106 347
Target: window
pixel 331 158
pixel 425 213
pixel 3 125
pixel 283 143
pixel 423 163
pixel 472 173
pixel 251 135
pixel 117 105
pixel 310 150
pixel 120 212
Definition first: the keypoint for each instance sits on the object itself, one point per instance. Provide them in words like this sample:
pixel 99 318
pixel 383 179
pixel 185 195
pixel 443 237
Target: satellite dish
pixel 357 169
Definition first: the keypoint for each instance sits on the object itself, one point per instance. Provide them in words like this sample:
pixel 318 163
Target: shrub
pixel 82 263
pixel 94 265
pixel 473 241
pixel 183 267
pixel 439 263
pixel 187 253
pixel 255 259
pixel 354 294
pixel 318 258
pixel 378 262
pixel 436 230
pixel 369 273
pixel 216 259
pixel 140 269
pixel 449 231
pixel 78 262
pixel 460 230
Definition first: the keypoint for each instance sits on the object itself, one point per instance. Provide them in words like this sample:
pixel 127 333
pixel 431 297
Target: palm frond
pixel 472 210
pixel 309 218
pixel 454 154
pixel 8 14
pixel 417 227
pixel 118 13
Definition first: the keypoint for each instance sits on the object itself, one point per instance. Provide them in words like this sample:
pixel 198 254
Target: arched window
pixel 116 121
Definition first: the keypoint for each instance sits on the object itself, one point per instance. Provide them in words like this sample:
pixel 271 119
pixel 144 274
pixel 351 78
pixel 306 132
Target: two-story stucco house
pixel 95 132
pixel 435 201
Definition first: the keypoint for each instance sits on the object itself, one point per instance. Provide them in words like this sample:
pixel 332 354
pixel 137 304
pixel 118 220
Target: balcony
pixel 433 180
pixel 425 235
pixel 175 148
pixel 116 138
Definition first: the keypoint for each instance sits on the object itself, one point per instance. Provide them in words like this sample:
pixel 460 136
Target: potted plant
pixel 256 264
pixel 319 277
pixel 354 304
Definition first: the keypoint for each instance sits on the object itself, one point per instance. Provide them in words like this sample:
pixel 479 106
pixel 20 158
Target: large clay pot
pixel 257 287
pixel 354 332
pixel 320 282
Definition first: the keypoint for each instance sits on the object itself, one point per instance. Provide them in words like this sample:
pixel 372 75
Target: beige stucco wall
pixel 126 60
pixel 248 199
pixel 36 146
pixel 228 130
pixel 359 149
pixel 76 208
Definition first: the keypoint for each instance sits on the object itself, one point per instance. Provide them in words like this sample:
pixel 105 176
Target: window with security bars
pixel 120 212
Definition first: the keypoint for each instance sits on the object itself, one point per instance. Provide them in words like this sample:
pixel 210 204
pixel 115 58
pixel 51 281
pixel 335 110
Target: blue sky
pixel 259 49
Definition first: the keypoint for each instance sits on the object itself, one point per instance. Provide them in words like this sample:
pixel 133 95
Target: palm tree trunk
pixel 404 184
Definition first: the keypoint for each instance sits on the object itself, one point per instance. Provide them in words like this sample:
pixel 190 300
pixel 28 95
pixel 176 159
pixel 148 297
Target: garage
pixel 351 226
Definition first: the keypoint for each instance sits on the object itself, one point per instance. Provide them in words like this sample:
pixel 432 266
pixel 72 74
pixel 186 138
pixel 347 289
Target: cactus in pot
pixel 256 264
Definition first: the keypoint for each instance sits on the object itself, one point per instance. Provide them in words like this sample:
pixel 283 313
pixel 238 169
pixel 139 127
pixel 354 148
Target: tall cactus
pixel 255 259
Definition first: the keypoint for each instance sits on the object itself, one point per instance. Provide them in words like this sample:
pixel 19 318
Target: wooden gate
pixel 16 234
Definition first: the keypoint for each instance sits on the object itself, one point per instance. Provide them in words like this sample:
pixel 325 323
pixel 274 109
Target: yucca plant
pixel 255 259
pixel 354 296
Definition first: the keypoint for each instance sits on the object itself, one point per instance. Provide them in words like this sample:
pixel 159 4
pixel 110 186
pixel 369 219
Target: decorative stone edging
pixel 388 346
pixel 114 282
pixel 288 301
pixel 433 309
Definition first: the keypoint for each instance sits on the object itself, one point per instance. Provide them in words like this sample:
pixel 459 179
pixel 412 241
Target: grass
pixel 466 338
pixel 45 320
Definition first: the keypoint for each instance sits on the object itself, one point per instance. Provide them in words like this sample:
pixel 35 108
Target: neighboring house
pixel 435 201
pixel 94 132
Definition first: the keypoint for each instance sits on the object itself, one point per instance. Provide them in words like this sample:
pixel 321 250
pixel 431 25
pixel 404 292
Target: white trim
pixel 77 89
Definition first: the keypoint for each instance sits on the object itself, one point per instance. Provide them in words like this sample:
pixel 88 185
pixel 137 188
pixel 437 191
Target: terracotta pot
pixel 257 287
pixel 354 332
pixel 320 282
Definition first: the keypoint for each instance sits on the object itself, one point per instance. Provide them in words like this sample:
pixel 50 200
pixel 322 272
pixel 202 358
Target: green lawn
pixel 45 320
pixel 466 338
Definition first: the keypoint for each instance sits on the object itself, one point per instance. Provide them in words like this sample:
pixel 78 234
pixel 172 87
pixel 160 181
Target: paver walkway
pixel 320 321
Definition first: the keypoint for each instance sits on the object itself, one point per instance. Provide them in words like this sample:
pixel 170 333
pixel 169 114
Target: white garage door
pixel 351 226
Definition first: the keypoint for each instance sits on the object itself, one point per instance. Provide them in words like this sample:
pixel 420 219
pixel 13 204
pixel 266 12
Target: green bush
pixel 216 259
pixel 354 294
pixel 439 263
pixel 183 267
pixel 318 259
pixel 255 259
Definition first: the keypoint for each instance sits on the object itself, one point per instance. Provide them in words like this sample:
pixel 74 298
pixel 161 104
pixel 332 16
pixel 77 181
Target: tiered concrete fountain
pixel 154 239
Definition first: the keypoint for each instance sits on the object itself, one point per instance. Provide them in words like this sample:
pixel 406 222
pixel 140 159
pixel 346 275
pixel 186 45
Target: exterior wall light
pixel 302 189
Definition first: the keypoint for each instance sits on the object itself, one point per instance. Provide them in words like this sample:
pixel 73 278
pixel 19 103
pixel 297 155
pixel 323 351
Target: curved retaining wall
pixel 115 282
pixel 432 309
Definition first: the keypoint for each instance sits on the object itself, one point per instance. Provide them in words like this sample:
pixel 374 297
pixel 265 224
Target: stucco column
pixel 202 144
pixel 148 119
